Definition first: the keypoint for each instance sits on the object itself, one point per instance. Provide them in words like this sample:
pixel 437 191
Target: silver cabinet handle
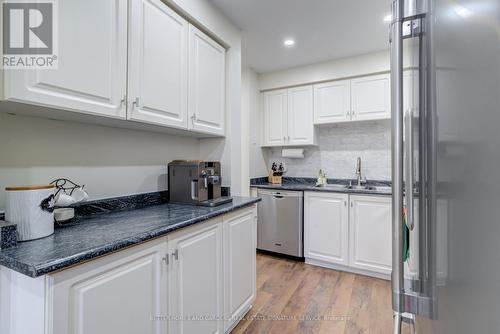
pixel 136 102
pixel 166 259
pixel 175 254
pixel 396 43
pixel 409 172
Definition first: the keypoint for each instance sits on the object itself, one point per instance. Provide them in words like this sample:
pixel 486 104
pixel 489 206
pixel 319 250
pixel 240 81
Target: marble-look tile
pixel 8 235
pixel 105 232
pixel 339 146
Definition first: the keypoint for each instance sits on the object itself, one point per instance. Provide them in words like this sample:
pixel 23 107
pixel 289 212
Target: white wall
pixel 251 102
pixel 338 148
pixel 328 70
pixel 109 161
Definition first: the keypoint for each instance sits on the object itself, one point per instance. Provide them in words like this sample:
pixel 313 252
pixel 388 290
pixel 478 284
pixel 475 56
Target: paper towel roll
pixel 294 153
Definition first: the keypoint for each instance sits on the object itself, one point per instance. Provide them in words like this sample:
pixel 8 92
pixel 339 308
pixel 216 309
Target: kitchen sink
pixel 335 186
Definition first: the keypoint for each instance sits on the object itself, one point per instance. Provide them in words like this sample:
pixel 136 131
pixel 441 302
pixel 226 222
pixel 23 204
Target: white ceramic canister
pixel 32 209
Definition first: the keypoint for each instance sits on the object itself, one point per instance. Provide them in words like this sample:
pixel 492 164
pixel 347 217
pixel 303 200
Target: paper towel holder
pixel 293 153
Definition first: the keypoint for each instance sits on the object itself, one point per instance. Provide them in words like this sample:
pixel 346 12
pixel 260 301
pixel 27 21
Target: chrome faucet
pixel 358 172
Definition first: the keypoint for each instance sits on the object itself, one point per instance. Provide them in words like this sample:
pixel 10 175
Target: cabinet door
pixel 370 233
pixel 370 97
pixel 207 82
pixel 300 123
pixel 158 57
pixel 92 62
pixel 196 288
pixel 332 102
pixel 115 294
pixel 275 117
pixel 326 233
pixel 240 242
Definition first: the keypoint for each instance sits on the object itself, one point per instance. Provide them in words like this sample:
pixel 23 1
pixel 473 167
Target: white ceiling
pixel 322 29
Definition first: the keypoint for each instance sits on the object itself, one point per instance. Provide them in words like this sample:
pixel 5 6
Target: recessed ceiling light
pixel 462 11
pixel 388 18
pixel 288 42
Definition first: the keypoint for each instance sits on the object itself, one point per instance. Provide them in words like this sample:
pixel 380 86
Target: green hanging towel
pixel 406 233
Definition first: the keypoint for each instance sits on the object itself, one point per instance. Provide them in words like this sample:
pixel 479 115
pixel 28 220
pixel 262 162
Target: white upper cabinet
pixel 92 62
pixel 206 83
pixel 143 63
pixel 275 106
pixel 332 102
pixel 288 117
pixel 326 227
pixel 370 97
pixel 300 127
pixel 370 233
pixel 158 65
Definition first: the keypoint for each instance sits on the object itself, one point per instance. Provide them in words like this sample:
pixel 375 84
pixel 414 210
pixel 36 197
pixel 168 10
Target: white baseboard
pixel 340 267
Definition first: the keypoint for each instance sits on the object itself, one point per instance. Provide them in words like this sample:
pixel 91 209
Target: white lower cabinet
pixel 370 234
pixel 119 293
pixel 348 232
pixel 326 227
pixel 240 242
pixel 195 285
pixel 197 280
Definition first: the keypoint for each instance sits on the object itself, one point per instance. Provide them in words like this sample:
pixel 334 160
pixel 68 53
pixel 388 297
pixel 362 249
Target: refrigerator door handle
pixel 397 276
pixel 409 170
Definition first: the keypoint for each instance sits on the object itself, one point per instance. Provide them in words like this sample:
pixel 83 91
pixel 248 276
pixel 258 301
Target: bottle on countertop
pixel 321 181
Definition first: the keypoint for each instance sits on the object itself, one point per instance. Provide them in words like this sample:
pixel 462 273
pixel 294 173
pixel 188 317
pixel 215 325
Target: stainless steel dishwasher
pixel 280 225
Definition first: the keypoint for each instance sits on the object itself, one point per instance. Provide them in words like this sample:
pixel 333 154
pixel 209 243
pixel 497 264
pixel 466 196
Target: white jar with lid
pixel 32 209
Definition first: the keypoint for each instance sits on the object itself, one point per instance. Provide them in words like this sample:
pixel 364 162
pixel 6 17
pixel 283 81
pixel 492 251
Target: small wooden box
pixel 275 179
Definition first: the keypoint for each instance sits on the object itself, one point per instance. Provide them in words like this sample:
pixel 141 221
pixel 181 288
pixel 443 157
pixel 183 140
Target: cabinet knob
pixel 165 259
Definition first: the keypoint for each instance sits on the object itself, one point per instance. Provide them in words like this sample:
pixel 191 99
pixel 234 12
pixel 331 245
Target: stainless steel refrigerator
pixel 445 81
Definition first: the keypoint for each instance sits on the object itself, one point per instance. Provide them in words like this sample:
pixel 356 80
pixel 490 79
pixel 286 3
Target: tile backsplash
pixel 339 146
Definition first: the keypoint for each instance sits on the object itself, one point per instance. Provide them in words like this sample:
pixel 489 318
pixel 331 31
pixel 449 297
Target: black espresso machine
pixel 195 182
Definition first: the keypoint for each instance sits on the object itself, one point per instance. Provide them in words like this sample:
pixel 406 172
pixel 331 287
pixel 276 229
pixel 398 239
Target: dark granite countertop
pixel 334 185
pixel 100 234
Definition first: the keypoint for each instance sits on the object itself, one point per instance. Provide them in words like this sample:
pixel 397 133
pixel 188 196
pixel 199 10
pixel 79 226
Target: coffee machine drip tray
pixel 216 202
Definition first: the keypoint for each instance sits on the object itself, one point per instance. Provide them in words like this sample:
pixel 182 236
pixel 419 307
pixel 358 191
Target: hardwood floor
pixel 294 297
